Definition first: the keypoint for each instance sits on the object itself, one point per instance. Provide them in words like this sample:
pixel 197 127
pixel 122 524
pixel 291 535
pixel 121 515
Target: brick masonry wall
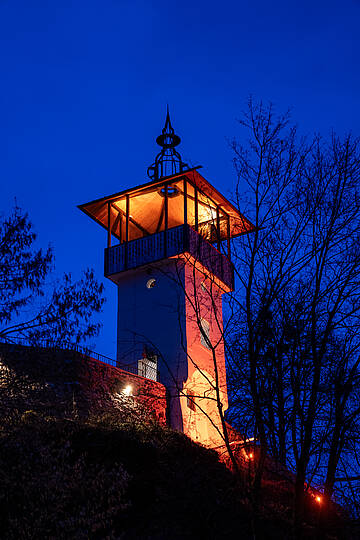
pixel 67 384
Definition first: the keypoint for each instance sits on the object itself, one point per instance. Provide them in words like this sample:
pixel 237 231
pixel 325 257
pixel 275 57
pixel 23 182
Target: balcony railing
pixel 164 244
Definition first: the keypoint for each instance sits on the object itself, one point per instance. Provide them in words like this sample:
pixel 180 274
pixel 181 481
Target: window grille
pixel 147 367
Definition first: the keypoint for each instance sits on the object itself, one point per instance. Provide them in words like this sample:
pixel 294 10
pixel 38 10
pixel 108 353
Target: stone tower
pixel 168 253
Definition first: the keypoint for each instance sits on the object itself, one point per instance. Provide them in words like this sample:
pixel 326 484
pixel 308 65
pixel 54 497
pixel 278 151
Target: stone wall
pixel 101 380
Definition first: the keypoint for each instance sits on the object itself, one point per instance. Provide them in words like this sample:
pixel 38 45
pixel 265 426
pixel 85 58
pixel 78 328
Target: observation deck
pixel 176 241
pixel 181 215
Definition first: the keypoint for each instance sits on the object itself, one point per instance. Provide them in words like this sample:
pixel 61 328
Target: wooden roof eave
pixel 194 177
pixel 115 196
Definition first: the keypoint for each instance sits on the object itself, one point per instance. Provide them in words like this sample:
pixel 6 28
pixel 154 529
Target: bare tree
pixel 296 353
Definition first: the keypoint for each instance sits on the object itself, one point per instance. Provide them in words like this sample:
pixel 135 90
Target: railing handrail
pixel 160 233
pixel 68 346
pixel 64 345
pixel 180 239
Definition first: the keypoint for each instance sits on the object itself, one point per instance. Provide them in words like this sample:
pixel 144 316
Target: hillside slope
pixel 103 479
pixel 73 466
pixel 79 461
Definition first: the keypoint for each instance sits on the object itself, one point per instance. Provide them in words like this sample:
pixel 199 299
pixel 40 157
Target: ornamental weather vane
pixel 168 162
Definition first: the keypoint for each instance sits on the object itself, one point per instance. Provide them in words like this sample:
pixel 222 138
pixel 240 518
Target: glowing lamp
pixel 318 499
pixel 251 455
pixel 127 390
pixel 213 214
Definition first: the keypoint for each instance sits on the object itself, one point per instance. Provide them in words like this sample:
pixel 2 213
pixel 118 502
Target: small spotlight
pixel 127 390
pixel 318 499
pixel 251 455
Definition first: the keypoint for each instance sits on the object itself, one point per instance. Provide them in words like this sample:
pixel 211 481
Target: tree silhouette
pixel 31 308
pixel 295 330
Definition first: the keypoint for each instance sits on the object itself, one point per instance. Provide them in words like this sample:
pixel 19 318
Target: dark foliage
pixel 107 479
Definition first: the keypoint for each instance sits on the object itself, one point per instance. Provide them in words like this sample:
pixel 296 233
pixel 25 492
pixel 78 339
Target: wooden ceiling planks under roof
pixel 147 203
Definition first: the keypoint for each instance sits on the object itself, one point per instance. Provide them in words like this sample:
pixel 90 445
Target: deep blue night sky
pixel 84 87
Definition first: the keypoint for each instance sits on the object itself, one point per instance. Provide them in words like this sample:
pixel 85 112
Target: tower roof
pixel 146 203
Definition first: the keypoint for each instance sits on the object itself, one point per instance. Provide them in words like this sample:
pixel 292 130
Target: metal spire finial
pixel 168 161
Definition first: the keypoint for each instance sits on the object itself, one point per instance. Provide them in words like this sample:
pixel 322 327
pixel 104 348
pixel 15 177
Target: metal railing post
pixel 166 218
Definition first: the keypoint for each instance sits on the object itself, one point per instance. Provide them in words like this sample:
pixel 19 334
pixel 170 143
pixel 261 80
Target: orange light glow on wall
pixel 318 499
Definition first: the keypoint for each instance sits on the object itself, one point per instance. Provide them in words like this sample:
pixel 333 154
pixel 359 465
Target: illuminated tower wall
pixel 156 315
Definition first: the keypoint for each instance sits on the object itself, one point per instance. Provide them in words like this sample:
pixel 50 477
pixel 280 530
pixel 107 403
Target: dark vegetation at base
pixel 104 479
pixel 65 479
pixel 114 473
